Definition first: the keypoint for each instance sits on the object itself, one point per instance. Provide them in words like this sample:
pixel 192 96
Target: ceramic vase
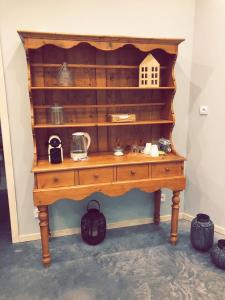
pixel 218 254
pixel 202 232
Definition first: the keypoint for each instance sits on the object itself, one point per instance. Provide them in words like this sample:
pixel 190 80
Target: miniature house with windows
pixel 149 72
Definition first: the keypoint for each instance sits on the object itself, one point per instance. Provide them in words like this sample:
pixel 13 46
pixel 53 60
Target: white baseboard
pixel 121 224
pixel 217 228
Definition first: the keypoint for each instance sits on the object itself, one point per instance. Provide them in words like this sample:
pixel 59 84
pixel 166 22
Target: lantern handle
pixel 92 202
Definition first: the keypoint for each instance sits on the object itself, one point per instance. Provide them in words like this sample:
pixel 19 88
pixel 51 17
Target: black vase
pixel 202 232
pixel 218 254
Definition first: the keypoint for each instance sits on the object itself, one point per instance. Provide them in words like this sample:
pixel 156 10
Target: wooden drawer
pixel 167 169
pixel 55 179
pixel 132 172
pixel 96 175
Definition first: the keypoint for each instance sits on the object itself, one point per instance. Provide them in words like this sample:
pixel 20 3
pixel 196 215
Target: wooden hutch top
pixel 34 40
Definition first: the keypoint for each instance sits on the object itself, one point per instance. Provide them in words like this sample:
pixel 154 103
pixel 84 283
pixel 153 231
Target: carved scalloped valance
pixel 34 40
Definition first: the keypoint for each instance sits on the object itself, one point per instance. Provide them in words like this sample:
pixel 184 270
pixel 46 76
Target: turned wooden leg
pixel 174 217
pixel 157 199
pixel 43 217
pixel 49 231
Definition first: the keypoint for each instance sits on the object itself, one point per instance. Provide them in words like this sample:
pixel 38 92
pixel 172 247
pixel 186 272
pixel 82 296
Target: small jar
pixel 56 115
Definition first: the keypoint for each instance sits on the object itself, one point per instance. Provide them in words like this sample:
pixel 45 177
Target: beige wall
pixel 144 18
pixel 206 144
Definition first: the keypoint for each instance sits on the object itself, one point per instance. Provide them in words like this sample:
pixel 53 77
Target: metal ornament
pixel 93 225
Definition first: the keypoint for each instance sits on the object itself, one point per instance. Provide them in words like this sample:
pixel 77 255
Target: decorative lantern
pixel 218 254
pixel 202 232
pixel 93 225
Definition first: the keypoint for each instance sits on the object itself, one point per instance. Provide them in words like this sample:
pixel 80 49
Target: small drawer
pixel 132 172
pixel 96 175
pixel 55 179
pixel 167 169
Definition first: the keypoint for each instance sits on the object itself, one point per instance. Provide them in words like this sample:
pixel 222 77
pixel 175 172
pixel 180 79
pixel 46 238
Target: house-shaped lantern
pixel 149 72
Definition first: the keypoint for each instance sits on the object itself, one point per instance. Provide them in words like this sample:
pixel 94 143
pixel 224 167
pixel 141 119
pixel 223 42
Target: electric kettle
pixel 79 145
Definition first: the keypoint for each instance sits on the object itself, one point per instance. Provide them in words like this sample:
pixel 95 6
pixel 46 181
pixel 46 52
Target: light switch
pixel 203 110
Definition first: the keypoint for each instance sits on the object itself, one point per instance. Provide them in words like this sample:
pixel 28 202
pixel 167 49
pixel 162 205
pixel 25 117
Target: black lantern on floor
pixel 202 232
pixel 93 225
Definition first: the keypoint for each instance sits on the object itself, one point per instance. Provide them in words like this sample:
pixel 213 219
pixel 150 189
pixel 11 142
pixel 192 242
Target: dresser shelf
pixel 93 124
pixel 87 106
pixel 88 66
pixel 100 88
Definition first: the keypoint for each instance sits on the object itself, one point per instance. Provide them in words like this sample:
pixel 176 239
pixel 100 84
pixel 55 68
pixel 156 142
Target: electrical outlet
pixel 203 110
pixel 36 213
pixel 163 197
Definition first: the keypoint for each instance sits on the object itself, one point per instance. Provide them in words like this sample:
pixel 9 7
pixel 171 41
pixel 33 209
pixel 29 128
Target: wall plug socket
pixel 163 197
pixel 36 212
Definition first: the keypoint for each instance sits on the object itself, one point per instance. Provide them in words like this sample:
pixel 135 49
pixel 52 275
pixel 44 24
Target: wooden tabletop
pixel 103 160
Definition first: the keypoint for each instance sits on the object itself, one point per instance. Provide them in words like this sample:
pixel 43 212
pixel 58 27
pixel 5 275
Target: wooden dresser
pixel 105 81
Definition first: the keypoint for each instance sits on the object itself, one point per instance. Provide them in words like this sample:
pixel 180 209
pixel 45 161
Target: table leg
pixel 157 200
pixel 174 217
pixel 43 217
pixel 49 231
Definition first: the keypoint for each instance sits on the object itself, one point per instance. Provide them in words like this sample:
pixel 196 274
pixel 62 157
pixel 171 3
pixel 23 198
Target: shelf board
pixel 101 88
pixel 102 159
pixel 68 106
pixel 102 124
pixel 90 66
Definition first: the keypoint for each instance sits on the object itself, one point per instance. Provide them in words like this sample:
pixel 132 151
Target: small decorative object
pixel 218 254
pixel 202 232
pixel 164 145
pixel 118 151
pixel 93 225
pixel 55 150
pixel 147 148
pixel 154 151
pixel 56 115
pixel 149 72
pixel 118 118
pixel 79 145
pixel 161 153
pixel 64 77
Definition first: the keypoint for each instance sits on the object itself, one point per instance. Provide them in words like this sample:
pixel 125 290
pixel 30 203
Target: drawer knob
pixel 132 172
pixel 55 179
pixel 96 176
pixel 167 169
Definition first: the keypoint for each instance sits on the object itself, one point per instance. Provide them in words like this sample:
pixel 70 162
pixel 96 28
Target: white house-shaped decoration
pixel 149 72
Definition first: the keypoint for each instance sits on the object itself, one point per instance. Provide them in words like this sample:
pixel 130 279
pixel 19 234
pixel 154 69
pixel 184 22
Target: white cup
pixel 147 149
pixel 154 151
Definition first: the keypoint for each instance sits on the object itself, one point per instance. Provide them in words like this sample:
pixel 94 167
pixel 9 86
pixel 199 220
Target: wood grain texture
pixel 96 176
pixel 55 179
pixel 104 159
pixel 34 40
pixel 132 172
pixel 49 196
pixel 174 216
pixel 104 81
pixel 44 229
pixel 167 170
